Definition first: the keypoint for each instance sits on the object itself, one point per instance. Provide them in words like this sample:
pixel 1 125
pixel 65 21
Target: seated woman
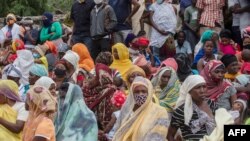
pixel 121 60
pixel 140 118
pixel 50 30
pixel 193 115
pixel 219 89
pixel 74 120
pixel 166 86
pixel 12 112
pixel 41 106
pixel 98 96
pixel 85 61
pixel 209 55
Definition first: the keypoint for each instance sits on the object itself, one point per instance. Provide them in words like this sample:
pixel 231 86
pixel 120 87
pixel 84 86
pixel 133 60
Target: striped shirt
pixel 177 122
pixel 211 11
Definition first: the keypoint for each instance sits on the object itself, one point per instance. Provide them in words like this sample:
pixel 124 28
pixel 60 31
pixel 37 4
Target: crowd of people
pixel 127 70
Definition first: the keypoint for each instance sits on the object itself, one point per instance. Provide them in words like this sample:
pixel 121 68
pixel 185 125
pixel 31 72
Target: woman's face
pixel 52 90
pixel 165 78
pixel 132 76
pixel 218 75
pixel 140 94
pixel 198 93
pixel 208 47
pixel 33 78
pixel 233 68
pixel 115 53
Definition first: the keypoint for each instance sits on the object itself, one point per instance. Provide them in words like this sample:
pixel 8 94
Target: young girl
pixel 227 46
pixel 117 100
pixel 209 55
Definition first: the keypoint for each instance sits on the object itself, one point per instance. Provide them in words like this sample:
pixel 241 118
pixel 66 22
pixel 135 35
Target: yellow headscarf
pixel 123 64
pixel 133 69
pixel 147 120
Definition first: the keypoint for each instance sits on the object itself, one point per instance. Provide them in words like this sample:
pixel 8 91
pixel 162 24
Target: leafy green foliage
pixel 33 7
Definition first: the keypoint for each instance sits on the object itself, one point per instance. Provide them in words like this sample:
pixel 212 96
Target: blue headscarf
pixel 49 19
pixel 39 70
pixel 74 120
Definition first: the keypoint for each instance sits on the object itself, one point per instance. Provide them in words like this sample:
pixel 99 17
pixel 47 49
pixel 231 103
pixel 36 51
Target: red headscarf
pixel 118 98
pixel 17 44
pixel 101 67
pixel 141 42
pixel 170 62
pixel 214 89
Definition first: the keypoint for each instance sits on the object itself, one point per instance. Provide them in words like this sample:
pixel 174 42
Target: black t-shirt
pixel 80 14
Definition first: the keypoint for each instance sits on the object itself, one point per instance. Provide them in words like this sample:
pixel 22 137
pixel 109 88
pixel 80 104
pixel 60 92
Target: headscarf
pixel 149 119
pixel 140 42
pixel 72 58
pixel 41 49
pixel 207 35
pixel 24 61
pixel 214 90
pixel 133 69
pixel 185 97
pixel 9 89
pixel 41 104
pixel 130 37
pixel 170 93
pixel 170 62
pixel 11 70
pixel 104 58
pixel 17 44
pixel 123 64
pixel 51 46
pixel 85 62
pixel 74 119
pixel 184 66
pixel 39 70
pixel 49 19
pixel 103 71
pixel 12 16
pixel 45 81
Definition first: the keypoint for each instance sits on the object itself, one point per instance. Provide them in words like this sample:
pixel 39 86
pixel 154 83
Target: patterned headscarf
pixel 17 44
pixel 214 89
pixel 104 58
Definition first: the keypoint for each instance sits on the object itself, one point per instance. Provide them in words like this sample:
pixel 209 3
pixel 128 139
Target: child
pixel 209 55
pixel 227 46
pixel 238 111
pixel 39 55
pixel 232 66
pixel 117 100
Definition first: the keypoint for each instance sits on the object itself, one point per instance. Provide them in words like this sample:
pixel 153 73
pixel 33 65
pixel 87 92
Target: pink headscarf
pixel 170 62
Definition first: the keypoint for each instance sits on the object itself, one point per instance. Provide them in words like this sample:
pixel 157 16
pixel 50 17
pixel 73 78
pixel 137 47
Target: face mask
pixel 60 72
pixel 36 55
pixel 140 99
pixel 98 1
pixel 159 1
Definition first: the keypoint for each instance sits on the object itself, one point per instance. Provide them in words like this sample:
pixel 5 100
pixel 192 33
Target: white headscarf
pixel 243 79
pixel 45 82
pixel 11 70
pixel 24 61
pixel 185 97
pixel 72 58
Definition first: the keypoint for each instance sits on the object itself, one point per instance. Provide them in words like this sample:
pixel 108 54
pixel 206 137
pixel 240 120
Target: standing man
pixel 124 13
pixel 80 14
pixel 103 21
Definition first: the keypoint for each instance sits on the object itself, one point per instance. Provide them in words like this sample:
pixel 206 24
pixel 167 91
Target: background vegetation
pixel 33 7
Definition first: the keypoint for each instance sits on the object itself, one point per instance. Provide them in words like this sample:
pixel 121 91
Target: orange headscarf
pixel 51 46
pixel 85 62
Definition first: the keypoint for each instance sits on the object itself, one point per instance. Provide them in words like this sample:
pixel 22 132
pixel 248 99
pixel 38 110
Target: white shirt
pixel 22 114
